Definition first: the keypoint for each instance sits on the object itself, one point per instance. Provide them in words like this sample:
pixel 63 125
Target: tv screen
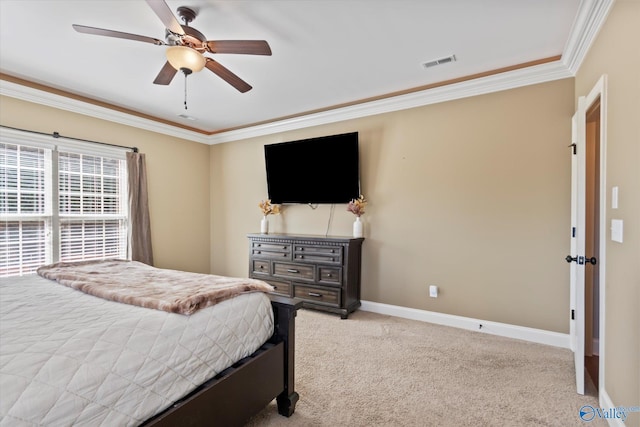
pixel 313 171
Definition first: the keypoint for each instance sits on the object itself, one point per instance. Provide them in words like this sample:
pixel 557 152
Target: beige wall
pixel 178 178
pixel 616 53
pixel 470 195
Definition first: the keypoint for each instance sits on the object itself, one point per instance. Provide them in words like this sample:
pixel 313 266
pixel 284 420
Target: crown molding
pixel 497 82
pixel 589 19
pixel 494 83
pixel 42 97
pixel 591 16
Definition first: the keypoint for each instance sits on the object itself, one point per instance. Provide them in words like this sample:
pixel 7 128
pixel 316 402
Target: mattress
pixel 68 358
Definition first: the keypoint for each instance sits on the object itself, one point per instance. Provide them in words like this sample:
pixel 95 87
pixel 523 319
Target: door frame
pixel 597 94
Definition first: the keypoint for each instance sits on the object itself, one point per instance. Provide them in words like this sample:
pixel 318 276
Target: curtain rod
pixel 57 135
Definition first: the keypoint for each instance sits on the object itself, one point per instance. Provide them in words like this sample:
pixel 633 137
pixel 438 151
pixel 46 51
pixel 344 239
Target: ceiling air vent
pixel 186 117
pixel 439 61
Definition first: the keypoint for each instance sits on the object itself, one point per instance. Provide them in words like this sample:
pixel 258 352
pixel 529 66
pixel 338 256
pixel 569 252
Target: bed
pixel 69 357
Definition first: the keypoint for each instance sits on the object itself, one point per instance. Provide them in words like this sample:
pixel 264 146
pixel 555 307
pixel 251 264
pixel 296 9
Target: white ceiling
pixel 326 53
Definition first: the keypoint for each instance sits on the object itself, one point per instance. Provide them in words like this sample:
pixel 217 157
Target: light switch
pixel 616 230
pixel 614 198
pixel 433 291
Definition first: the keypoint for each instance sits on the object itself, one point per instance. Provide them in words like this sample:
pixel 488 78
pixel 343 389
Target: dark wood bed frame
pixel 244 389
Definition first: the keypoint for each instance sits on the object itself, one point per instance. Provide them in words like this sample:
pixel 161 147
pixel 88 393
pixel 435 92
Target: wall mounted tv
pixel 313 171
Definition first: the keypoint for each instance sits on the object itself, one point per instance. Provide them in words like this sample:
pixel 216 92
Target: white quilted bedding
pixel 67 358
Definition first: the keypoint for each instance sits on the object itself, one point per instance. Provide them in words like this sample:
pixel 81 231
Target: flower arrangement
pixel 356 206
pixel 267 208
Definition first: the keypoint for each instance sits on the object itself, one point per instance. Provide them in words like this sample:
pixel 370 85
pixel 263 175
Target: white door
pixel 576 258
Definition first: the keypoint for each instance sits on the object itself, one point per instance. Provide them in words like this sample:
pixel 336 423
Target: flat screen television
pixel 322 170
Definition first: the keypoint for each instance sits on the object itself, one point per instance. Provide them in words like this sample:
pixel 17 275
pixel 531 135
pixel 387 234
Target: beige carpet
pixel 376 370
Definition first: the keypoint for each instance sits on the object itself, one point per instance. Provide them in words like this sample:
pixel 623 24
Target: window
pixel 91 207
pixel 62 202
pixel 25 205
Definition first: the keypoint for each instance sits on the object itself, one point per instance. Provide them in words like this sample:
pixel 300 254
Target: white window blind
pixel 25 207
pixel 74 211
pixel 93 212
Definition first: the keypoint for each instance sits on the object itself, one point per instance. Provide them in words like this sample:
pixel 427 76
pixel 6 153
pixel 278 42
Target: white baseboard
pixel 606 402
pixel 539 336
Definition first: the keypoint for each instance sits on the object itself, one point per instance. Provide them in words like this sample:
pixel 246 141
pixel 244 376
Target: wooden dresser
pixel 323 272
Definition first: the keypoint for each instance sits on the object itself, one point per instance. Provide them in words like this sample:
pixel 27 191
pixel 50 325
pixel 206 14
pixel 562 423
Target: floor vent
pixel 439 61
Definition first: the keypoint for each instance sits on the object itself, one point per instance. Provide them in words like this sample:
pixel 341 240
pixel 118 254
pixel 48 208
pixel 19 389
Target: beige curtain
pixel 139 224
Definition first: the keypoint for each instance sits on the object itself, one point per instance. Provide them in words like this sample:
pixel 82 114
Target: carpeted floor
pixel 376 370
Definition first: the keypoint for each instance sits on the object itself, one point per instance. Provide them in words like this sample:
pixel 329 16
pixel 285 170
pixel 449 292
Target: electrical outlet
pixel 433 291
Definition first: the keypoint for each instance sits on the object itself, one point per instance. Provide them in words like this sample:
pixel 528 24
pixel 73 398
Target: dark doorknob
pixel 581 260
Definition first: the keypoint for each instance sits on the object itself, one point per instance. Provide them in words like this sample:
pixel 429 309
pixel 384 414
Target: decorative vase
pixel 264 225
pixel 358 228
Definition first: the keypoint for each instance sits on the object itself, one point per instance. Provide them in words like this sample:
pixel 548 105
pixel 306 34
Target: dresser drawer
pixel 271 250
pixel 330 275
pixel 294 271
pixel 317 295
pixel 317 253
pixel 259 266
pixel 282 288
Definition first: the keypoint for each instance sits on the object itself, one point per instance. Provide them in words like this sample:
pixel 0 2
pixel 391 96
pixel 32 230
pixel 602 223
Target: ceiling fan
pixel 187 46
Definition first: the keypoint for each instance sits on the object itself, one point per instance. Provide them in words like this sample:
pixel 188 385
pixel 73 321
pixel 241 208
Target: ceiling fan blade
pixel 165 75
pixel 246 47
pixel 117 34
pixel 166 16
pixel 227 75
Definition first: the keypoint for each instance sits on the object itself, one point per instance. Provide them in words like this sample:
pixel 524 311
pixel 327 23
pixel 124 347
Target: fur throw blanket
pixel 132 282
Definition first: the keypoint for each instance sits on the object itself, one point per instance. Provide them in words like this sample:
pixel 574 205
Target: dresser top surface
pixel 304 237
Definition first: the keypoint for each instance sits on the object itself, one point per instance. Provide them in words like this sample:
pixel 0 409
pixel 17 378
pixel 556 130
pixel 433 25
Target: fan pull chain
pixel 185 91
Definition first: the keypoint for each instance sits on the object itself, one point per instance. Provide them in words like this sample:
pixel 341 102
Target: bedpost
pixel 284 310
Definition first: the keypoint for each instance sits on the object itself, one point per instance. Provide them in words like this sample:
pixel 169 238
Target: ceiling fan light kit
pixel 182 57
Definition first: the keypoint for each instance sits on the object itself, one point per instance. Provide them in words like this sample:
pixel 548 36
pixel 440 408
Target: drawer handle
pixel 258 252
pixel 284 247
pixel 291 270
pixel 328 274
pixel 262 267
pixel 314 294
pixel 300 256
pixel 284 255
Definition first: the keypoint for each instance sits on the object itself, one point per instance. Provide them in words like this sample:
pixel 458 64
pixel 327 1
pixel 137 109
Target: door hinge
pixel 573 232
pixel 575 148
pixel 573 315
